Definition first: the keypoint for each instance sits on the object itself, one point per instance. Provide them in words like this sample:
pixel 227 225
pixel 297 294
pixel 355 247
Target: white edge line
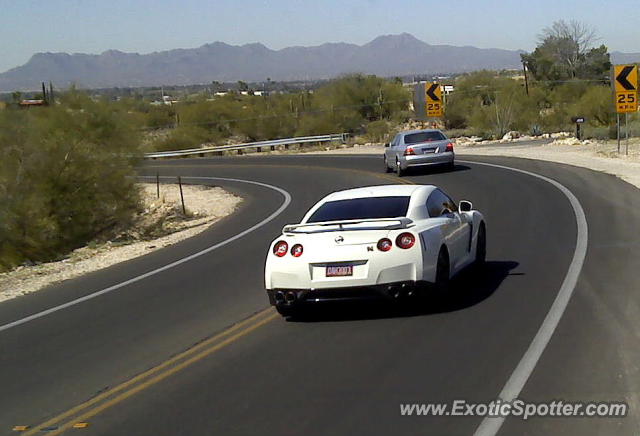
pixel 283 206
pixel 491 425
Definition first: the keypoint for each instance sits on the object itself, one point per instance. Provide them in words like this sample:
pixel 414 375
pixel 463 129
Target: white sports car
pixel 372 242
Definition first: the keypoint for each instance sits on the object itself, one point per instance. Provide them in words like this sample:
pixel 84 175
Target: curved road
pixel 194 348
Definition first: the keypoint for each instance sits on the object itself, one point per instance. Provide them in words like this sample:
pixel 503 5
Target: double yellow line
pixel 79 414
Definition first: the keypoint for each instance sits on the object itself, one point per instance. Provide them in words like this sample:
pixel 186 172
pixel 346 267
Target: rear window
pixel 414 138
pixel 359 208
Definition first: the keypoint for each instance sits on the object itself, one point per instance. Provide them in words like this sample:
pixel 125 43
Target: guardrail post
pixel 157 185
pixel 273 148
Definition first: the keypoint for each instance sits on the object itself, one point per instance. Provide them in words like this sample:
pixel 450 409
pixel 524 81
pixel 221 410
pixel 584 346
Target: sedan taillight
pixel 449 147
pixel 384 244
pixel 281 248
pixel 409 151
pixel 405 240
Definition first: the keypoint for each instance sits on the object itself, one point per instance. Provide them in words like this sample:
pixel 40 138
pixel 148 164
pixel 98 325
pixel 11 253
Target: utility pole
pixel 526 80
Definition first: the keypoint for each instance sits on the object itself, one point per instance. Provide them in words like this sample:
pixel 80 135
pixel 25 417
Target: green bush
pixel 378 131
pixel 65 177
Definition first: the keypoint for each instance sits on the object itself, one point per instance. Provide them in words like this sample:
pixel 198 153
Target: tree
pixel 564 52
pixel 242 86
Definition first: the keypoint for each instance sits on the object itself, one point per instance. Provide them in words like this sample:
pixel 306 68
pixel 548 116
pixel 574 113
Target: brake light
pixel 405 240
pixel 384 244
pixel 296 250
pixel 409 151
pixel 449 147
pixel 281 248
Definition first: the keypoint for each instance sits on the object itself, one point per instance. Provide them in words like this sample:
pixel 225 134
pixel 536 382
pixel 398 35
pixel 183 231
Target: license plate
pixel 428 150
pixel 340 271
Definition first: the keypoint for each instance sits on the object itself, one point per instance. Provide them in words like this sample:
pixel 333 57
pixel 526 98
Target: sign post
pixel 435 105
pixel 625 91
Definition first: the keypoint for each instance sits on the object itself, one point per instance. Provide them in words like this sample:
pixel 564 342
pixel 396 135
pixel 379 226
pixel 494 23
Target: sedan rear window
pixel 414 138
pixel 360 208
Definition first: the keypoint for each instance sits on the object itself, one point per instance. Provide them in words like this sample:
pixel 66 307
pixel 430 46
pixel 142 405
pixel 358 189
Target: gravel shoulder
pixel 159 224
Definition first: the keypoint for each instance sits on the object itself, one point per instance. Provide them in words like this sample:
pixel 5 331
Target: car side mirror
pixel 387 145
pixel 465 206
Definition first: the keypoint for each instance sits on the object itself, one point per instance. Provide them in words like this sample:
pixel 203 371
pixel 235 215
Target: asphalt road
pixel 194 349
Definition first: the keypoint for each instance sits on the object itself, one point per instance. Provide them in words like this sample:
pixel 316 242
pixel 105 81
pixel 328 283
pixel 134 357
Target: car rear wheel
pixel 481 246
pixel 442 270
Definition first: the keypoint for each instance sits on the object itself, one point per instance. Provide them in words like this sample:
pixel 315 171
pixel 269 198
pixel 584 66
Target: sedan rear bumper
pixel 427 159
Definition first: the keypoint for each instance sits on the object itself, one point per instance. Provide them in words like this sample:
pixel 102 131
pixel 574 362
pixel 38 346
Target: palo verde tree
pixel 565 51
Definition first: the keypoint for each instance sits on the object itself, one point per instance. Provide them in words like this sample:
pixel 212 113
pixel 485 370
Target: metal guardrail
pixel 342 137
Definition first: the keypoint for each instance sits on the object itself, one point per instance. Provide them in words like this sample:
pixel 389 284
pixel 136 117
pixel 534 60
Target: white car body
pixel 354 242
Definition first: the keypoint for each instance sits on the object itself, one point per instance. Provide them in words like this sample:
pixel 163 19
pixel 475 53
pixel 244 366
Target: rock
pixel 509 136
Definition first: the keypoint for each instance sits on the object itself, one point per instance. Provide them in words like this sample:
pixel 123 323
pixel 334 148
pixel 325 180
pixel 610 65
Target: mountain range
pixel 388 55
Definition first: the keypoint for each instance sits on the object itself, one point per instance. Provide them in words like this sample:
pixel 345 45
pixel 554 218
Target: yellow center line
pixel 150 372
pixel 123 396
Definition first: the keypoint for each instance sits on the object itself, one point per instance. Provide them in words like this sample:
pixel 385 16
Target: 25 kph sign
pixel 625 88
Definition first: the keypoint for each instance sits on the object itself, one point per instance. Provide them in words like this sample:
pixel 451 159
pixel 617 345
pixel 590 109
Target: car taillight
pixel 409 151
pixel 449 147
pixel 281 248
pixel 384 244
pixel 405 240
pixel 296 250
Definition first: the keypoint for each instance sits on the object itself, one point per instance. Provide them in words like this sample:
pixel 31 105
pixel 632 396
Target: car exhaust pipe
pixel 279 297
pixel 290 297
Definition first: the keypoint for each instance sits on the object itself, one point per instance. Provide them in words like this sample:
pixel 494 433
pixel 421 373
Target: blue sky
pixel 91 26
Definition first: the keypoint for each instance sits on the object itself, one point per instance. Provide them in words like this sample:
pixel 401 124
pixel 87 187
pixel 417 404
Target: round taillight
pixel 296 250
pixel 405 240
pixel 281 248
pixel 384 244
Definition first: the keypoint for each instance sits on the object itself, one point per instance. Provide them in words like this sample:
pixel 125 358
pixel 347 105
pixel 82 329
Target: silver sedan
pixel 416 148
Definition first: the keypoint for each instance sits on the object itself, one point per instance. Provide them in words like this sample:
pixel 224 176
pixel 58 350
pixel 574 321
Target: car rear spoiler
pixel 335 226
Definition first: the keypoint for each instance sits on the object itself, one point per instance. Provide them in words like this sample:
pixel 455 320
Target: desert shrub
pixel 65 177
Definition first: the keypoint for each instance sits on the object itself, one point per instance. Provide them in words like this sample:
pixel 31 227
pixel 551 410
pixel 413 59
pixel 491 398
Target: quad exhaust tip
pixel 279 297
pixel 290 297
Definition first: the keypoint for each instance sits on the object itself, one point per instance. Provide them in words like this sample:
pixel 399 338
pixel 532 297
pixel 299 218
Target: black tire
pixel 451 166
pixel 386 166
pixel 481 246
pixel 399 171
pixel 286 311
pixel 443 272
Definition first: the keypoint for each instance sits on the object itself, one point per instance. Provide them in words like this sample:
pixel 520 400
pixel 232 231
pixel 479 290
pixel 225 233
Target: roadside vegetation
pixel 566 77
pixel 64 177
pixel 347 104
